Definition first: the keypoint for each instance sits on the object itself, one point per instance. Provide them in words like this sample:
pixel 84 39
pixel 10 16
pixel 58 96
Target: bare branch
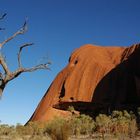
pixel 40 66
pixel 4 65
pixel 16 73
pixel 3 16
pixel 1 75
pixel 20 31
pixel 19 53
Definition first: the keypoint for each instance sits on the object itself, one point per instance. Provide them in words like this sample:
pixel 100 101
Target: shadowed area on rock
pixel 121 85
pixel 97 79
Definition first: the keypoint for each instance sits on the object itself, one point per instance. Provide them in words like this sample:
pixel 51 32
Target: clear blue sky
pixel 57 27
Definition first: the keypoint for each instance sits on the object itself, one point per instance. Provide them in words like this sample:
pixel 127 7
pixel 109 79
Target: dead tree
pixel 9 75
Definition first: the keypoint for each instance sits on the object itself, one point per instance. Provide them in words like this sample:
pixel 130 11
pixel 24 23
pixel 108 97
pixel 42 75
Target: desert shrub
pixel 119 123
pixel 82 124
pixel 34 128
pixel 133 128
pixel 6 130
pixel 71 108
pixel 123 122
pixel 21 130
pixel 58 129
pixel 103 123
pixel 75 125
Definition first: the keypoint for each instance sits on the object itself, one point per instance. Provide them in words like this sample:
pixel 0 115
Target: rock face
pixel 96 79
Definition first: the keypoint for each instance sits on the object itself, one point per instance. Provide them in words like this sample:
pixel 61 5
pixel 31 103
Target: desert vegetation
pixel 120 125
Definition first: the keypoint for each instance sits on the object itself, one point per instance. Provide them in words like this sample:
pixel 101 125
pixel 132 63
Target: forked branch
pixel 37 67
pixel 19 53
pixel 22 30
pixel 8 75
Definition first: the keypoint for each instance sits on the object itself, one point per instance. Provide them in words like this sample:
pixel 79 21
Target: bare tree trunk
pixel 1 90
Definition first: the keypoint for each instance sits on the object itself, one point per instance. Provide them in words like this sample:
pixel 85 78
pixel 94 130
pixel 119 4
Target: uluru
pixel 97 79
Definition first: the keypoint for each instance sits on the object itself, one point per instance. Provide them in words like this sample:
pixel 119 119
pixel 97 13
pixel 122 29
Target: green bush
pixel 118 123
pixel 71 109
pixel 82 124
pixel 58 129
pixel 103 123
pixel 122 122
